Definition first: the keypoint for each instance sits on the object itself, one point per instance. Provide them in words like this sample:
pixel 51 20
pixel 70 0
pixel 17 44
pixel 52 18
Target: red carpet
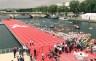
pixel 42 40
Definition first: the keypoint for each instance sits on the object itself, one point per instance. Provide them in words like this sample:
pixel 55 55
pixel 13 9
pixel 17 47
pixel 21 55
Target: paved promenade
pixel 10 57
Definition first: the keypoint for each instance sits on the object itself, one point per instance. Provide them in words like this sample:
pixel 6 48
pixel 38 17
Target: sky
pixel 28 3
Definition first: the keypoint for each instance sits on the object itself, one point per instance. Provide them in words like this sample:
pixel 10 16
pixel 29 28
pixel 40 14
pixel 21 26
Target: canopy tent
pixel 89 16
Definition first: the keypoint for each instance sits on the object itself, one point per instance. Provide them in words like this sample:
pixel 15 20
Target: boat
pixel 90 28
pixel 54 17
pixel 62 18
pixel 70 22
pixel 76 27
pixel 51 26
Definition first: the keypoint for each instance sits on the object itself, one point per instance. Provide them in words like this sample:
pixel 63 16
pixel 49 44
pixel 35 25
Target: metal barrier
pixel 7 50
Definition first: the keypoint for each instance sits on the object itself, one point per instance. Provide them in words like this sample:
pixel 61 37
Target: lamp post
pixel 89 24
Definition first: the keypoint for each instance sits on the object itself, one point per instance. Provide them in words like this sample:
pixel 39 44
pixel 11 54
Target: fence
pixel 7 50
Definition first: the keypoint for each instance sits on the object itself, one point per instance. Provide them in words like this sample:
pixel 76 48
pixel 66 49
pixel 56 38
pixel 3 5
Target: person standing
pixel 31 42
pixel 91 49
pixel 14 51
pixel 21 58
pixel 21 51
pixel 60 50
pixel 35 52
pixel 17 58
pixel 28 51
pixel 66 48
pixel 31 58
pixel 42 56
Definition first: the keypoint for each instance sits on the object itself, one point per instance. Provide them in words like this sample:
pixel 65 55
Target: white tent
pixel 89 16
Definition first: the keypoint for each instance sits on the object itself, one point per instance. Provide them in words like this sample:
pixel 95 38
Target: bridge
pixel 31 14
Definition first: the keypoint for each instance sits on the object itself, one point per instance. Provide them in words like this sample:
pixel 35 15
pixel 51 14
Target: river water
pixel 7 40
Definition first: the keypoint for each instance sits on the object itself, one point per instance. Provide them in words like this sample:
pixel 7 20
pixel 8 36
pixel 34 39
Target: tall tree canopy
pixel 74 6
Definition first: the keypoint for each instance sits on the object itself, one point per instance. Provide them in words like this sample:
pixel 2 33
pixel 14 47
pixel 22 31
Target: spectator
pixel 42 56
pixel 14 51
pixel 28 51
pixel 21 51
pixel 31 42
pixel 30 57
pixel 17 58
pixel 94 59
pixel 35 52
pixel 21 58
pixel 91 59
pixel 60 50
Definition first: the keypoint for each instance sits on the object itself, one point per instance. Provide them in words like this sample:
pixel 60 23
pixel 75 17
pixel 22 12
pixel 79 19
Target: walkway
pixel 10 56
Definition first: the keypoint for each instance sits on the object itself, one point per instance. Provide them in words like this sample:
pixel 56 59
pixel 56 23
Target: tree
pixel 91 5
pixel 63 9
pixel 83 7
pixel 74 6
pixel 88 6
pixel 52 9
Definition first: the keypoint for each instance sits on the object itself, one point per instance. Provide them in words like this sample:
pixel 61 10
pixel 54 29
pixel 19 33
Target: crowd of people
pixel 73 41
pixel 21 51
pixel 81 39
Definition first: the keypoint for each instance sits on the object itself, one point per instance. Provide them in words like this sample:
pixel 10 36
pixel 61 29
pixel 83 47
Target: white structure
pixel 89 16
pixel 64 3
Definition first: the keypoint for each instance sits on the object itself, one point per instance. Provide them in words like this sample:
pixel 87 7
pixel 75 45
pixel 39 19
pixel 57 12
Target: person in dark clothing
pixel 55 56
pixel 94 59
pixel 63 48
pixel 21 51
pixel 14 51
pixel 66 48
pixel 28 51
pixel 91 50
pixel 56 50
pixel 81 48
pixel 30 57
pixel 21 59
pixel 35 52
pixel 70 47
pixel 91 59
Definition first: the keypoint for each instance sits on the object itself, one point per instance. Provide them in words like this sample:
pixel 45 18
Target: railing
pixel 7 50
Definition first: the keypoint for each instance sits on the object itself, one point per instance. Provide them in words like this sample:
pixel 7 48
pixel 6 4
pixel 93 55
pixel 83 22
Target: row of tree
pixel 87 6
pixel 51 9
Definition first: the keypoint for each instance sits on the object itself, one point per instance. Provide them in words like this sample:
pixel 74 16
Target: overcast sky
pixel 28 3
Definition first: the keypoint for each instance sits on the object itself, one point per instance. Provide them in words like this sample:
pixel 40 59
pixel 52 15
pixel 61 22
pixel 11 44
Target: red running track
pixel 42 40
pixel 24 33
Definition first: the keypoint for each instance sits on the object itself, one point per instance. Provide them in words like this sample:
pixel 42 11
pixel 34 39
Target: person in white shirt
pixel 60 50
pixel 42 56
pixel 31 42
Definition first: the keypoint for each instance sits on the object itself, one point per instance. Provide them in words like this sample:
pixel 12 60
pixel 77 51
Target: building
pixel 2 10
pixel 89 16
pixel 64 3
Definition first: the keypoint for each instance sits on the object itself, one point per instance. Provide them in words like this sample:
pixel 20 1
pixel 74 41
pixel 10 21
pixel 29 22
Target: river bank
pixel 83 20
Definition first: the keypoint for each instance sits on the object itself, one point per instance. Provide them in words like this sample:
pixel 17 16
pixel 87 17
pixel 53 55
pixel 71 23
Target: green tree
pixel 91 5
pixel 52 9
pixel 83 7
pixel 88 6
pixel 74 6
pixel 63 9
